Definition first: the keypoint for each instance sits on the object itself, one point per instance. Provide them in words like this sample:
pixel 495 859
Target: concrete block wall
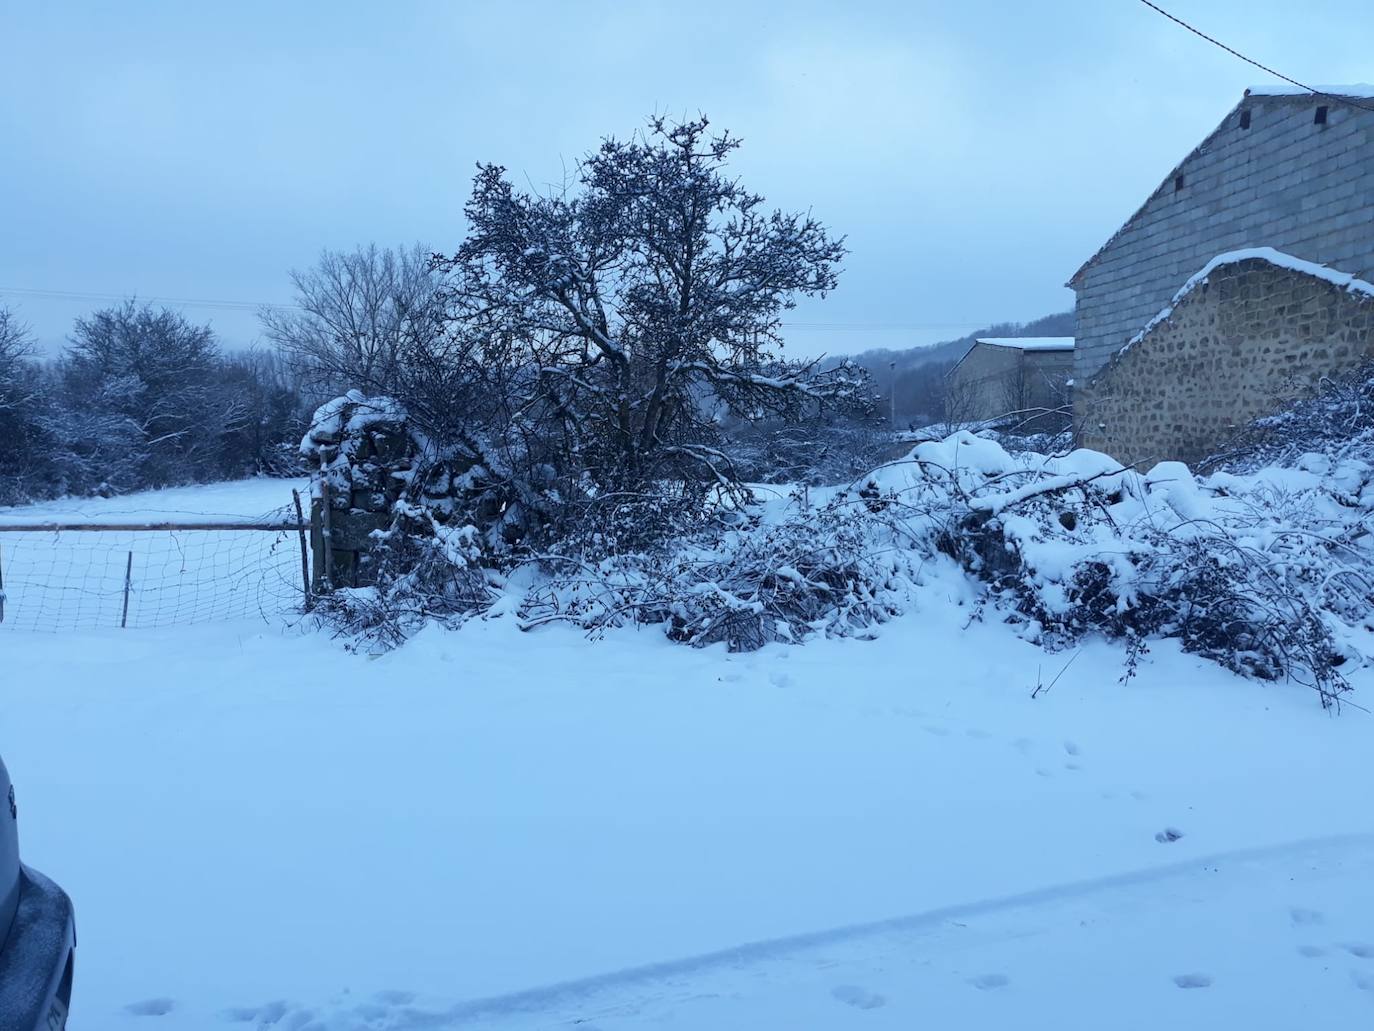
pixel 992 381
pixel 1284 182
pixel 1236 347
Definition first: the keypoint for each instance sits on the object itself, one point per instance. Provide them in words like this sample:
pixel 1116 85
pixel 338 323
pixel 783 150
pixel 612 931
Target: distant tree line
pixel 141 398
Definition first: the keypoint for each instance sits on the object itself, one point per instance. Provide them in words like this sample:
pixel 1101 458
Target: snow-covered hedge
pixel 1269 572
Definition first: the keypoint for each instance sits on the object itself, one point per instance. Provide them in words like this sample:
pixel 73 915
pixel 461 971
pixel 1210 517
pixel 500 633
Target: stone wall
pixel 1284 181
pixel 1249 337
pixel 362 455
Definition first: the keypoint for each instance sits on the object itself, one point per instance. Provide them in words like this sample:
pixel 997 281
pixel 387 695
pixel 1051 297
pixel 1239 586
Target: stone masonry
pixel 362 455
pixel 1244 340
pixel 1291 172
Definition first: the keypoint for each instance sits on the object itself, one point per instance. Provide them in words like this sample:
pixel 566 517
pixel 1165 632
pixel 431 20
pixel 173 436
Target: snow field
pixel 490 828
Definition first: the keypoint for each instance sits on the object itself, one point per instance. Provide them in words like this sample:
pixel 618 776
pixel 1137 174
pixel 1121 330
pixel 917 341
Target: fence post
pixel 2 586
pixel 326 534
pixel 305 554
pixel 128 580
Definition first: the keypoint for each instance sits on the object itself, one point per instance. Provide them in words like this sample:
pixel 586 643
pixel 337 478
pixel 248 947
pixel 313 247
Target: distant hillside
pixel 921 371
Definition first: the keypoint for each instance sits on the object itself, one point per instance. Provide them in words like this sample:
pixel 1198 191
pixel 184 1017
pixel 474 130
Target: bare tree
pixel 144 402
pixel 15 351
pixel 356 316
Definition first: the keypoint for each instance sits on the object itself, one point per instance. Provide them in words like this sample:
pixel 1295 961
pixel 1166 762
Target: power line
pixel 190 302
pixel 1250 60
pixel 221 304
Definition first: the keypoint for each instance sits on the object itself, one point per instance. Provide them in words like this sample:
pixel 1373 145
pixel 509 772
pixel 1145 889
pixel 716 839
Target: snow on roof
pixel 1030 343
pixel 1360 90
pixel 1278 258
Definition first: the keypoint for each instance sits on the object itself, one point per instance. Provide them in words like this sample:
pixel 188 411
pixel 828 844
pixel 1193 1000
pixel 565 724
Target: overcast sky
pixel 974 153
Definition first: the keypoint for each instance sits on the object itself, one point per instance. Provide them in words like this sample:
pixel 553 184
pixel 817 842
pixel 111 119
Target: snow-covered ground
pixel 497 829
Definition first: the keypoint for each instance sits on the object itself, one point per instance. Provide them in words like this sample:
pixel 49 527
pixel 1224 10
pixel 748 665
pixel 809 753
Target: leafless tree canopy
pixel 14 352
pixel 356 317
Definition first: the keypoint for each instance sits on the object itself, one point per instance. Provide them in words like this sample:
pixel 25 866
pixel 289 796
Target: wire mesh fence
pixel 66 576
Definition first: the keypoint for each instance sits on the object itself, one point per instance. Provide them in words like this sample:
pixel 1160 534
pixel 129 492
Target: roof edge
pixel 1278 92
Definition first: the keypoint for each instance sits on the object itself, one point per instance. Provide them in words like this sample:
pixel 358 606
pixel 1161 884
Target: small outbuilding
pixel 1023 382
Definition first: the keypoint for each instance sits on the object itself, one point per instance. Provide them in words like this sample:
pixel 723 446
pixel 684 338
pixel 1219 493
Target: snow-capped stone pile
pixel 360 454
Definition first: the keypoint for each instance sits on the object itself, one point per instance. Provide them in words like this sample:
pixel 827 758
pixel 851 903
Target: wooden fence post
pixel 305 553
pixel 327 534
pixel 128 581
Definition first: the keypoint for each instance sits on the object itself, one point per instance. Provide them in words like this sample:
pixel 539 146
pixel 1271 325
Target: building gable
pixel 1276 172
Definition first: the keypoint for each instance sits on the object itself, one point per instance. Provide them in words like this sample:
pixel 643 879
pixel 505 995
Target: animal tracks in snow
pixel 150 1007
pixel 1193 981
pixel 989 982
pixel 859 998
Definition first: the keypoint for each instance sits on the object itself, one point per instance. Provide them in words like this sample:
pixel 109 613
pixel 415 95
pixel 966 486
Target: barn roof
pixel 1029 343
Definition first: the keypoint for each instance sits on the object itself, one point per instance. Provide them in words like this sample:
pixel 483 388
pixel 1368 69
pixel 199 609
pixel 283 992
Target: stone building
pixel 1021 380
pixel 1286 170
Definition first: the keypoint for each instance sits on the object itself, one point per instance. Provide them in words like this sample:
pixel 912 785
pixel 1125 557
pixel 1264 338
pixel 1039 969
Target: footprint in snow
pixel 393 997
pixel 989 982
pixel 1360 949
pixel 1305 917
pixel 150 1007
pixel 1311 951
pixel 265 1016
pixel 1193 981
pixel 978 733
pixel 1364 982
pixel 859 998
pixel 1071 747
pixel 1168 835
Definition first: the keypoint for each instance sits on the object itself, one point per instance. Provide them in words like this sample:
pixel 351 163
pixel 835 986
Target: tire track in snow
pixel 928 923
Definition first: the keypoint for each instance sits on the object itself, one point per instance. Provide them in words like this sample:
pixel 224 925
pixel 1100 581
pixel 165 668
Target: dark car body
pixel 37 935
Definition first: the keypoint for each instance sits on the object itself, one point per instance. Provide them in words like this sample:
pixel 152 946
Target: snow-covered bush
pixel 1270 574
pixel 1338 422
pixel 810 452
pixel 747 581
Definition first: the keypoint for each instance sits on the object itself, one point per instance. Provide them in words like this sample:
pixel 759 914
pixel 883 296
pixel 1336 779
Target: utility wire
pixel 1250 60
pixel 253 306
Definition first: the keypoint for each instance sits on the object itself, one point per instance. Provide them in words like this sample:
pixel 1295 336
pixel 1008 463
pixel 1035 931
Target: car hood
pixel 9 855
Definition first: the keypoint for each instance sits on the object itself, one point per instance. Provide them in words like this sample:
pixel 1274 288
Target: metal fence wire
pixel 60 577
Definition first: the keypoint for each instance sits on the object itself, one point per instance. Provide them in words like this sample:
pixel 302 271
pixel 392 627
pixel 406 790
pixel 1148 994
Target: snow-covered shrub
pixel 835 571
pixel 1269 574
pixel 811 452
pixel 1338 422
